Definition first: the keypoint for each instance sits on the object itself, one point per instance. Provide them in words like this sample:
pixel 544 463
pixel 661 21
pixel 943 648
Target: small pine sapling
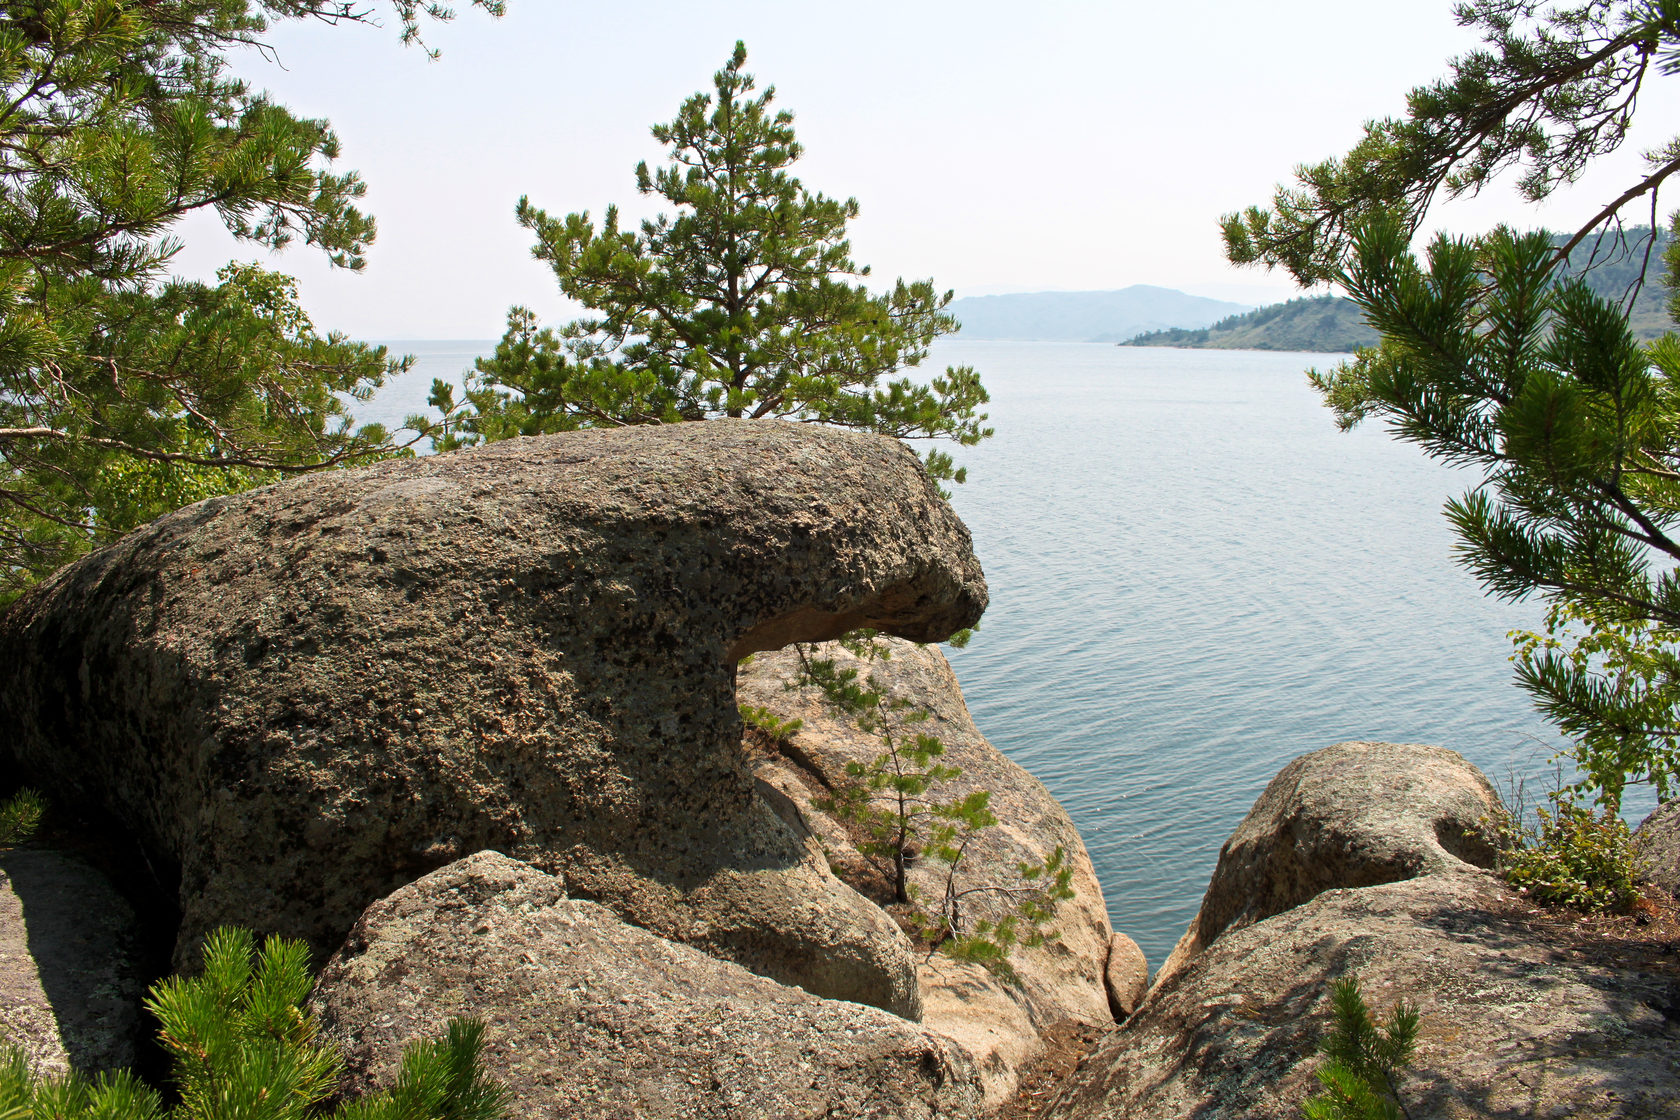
pixel 892 804
pixel 20 815
pixel 238 1042
pixel 241 1044
pixel 118 1096
pixel 778 730
pixel 1363 1059
pixel 986 941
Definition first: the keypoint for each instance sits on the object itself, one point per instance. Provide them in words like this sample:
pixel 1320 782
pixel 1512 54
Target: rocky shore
pixel 469 726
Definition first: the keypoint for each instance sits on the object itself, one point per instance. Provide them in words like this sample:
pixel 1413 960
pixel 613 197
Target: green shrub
pixel 1578 857
pixel 20 815
pixel 243 1047
pixel 1363 1059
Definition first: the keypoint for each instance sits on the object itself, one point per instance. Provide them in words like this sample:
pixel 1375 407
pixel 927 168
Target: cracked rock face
pixel 998 1022
pixel 305 696
pixel 1351 815
pixel 593 1019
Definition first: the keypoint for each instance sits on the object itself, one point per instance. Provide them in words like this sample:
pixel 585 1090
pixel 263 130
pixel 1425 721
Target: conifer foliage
pixel 1488 361
pixel 1554 87
pixel 243 1046
pixel 1496 354
pixel 742 302
pixel 124 394
pixel 20 815
pixel 1363 1059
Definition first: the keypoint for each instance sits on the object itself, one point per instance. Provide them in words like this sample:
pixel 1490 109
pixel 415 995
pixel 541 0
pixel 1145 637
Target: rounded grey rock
pixel 1656 847
pixel 592 1019
pixel 1510 1025
pixel 1351 815
pixel 304 696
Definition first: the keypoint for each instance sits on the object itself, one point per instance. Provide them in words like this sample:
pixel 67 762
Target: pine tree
pixel 1488 361
pixel 744 302
pixel 123 394
pixel 1363 1059
pixel 1554 87
pixel 243 1045
pixel 1496 353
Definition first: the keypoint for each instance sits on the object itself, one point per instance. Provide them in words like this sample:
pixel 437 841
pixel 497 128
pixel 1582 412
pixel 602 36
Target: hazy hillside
pixel 1617 266
pixel 1085 316
pixel 1328 324
pixel 1321 324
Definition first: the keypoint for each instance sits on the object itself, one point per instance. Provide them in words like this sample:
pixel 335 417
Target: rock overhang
pixel 309 693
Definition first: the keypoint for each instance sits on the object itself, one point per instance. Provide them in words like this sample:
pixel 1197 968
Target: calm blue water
pixel 1194 579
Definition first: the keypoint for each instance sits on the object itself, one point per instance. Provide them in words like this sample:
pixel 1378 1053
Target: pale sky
pixel 993 147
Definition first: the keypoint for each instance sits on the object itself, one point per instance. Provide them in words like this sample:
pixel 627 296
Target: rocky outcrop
pixel 593 1019
pixel 1000 1023
pixel 70 983
pixel 305 696
pixel 1516 1021
pixel 1351 815
pixel 1656 846
pixel 1360 861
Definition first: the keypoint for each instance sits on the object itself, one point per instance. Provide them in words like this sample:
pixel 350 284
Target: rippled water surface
pixel 1194 579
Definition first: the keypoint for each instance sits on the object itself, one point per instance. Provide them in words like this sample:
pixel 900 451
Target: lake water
pixel 1195 577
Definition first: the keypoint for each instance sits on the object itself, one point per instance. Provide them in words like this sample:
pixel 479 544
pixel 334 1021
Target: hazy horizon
pixel 997 150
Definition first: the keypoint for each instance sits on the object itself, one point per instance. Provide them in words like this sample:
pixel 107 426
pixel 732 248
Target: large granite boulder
pixel 1350 815
pixel 70 980
pixel 1656 847
pixel 593 1019
pixel 999 1022
pixel 305 696
pixel 1521 1017
pixel 1361 861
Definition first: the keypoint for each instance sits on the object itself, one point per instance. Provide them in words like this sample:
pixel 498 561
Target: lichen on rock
pixel 1362 861
pixel 1656 848
pixel 593 1019
pixel 1351 815
pixel 70 977
pixel 305 696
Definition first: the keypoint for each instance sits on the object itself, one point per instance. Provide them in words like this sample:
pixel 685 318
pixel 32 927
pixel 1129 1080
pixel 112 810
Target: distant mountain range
pixel 1085 316
pixel 1328 324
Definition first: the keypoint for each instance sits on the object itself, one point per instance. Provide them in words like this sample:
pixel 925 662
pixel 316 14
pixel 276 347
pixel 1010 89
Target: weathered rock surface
pixel 1350 815
pixel 593 1019
pixel 999 1023
pixel 1359 861
pixel 70 986
pixel 1515 1021
pixel 1656 846
pixel 1126 974
pixel 305 696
